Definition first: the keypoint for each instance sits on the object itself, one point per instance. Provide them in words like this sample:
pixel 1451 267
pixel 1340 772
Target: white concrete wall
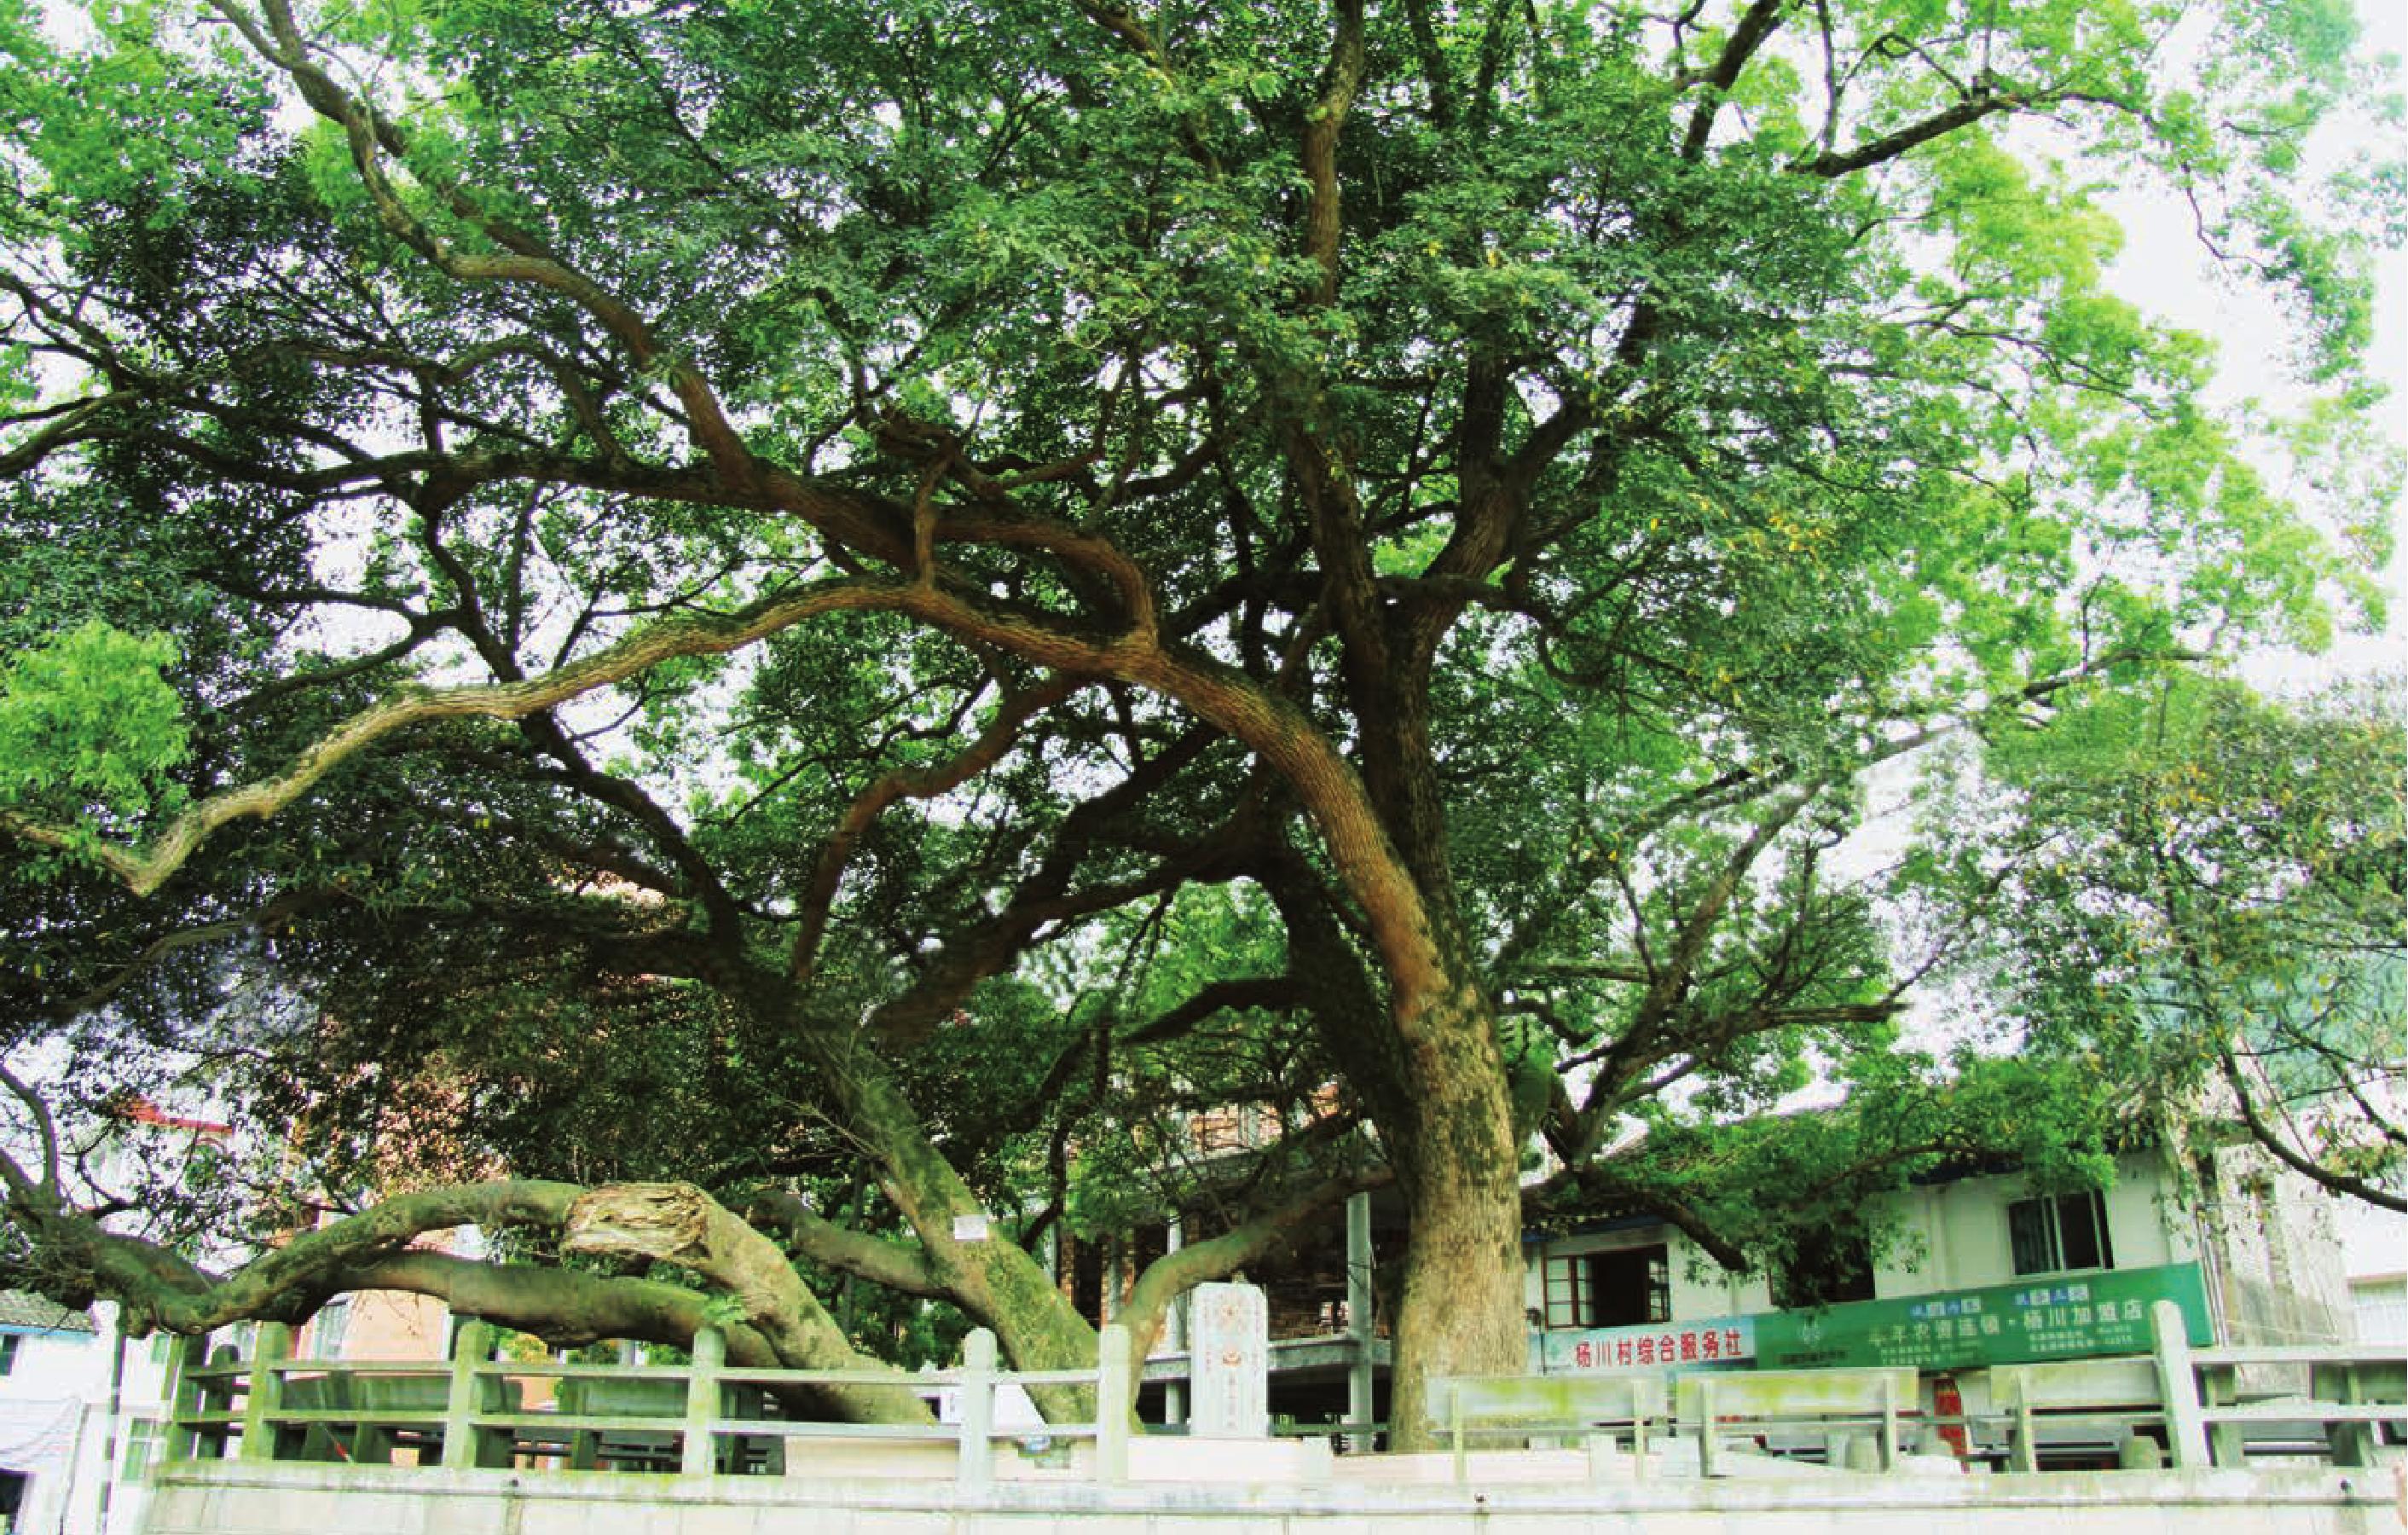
pixel 1942 1237
pixel 42 1409
pixel 1954 1236
pixel 62 1379
pixel 2280 1263
pixel 143 1399
pixel 2375 1251
pixel 222 1497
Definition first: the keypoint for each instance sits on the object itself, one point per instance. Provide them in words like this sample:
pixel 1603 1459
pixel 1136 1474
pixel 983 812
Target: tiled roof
pixel 23 1311
pixel 142 1111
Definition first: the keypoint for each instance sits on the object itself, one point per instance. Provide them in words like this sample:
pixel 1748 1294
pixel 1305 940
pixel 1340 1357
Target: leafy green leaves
pixel 89 726
pixel 2205 889
pixel 1685 420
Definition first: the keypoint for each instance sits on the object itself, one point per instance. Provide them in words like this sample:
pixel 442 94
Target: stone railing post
pixel 702 1399
pixel 1115 1404
pixel 976 1465
pixel 2178 1387
pixel 183 1396
pixel 470 1350
pixel 272 1345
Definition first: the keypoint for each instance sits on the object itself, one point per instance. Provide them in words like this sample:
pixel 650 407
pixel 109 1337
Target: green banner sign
pixel 2051 1317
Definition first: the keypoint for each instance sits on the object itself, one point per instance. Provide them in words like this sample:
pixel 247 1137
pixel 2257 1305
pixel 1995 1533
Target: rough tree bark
pixel 679 1223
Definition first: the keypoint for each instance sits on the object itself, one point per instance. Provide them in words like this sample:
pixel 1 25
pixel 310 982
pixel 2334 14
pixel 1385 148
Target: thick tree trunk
pixel 783 1324
pixel 987 1275
pixel 566 1308
pixel 1459 1308
pixel 1431 1075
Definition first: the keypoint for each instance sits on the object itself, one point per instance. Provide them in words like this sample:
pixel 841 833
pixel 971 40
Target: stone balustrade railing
pixel 698 1419
pixel 2182 1406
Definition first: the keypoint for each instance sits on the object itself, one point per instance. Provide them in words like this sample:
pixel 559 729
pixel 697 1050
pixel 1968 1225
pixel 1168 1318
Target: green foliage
pixel 88 724
pixel 2198 894
pixel 1608 468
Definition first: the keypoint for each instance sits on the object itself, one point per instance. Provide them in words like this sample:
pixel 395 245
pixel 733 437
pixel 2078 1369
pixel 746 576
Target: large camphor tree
pixel 1378 539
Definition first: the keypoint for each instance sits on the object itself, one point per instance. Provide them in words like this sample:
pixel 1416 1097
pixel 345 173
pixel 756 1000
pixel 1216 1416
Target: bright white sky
pixel 2165 270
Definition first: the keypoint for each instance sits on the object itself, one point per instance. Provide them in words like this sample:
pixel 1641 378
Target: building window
pixel 1568 1293
pixel 1628 1287
pixel 330 1327
pixel 142 1436
pixel 1828 1265
pixel 2060 1231
pixel 7 1353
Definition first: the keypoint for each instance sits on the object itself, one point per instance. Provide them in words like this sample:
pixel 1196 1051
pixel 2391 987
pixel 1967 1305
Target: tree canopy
pixel 2207 889
pixel 711 595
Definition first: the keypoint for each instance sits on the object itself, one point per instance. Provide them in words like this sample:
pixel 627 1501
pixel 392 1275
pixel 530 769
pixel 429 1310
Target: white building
pixel 1977 1270
pixel 2375 1243
pixel 80 1410
pixel 2252 1252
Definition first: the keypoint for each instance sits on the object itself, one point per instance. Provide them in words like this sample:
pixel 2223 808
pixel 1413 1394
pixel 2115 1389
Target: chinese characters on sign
pixel 1664 1345
pixel 2098 1314
pixel 1229 1331
pixel 2058 1318
pixel 2071 1319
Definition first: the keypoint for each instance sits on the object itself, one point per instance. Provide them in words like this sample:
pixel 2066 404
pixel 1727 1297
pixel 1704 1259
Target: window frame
pixel 143 1437
pixel 1575 1296
pixel 1565 1292
pixel 2037 1229
pixel 330 1329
